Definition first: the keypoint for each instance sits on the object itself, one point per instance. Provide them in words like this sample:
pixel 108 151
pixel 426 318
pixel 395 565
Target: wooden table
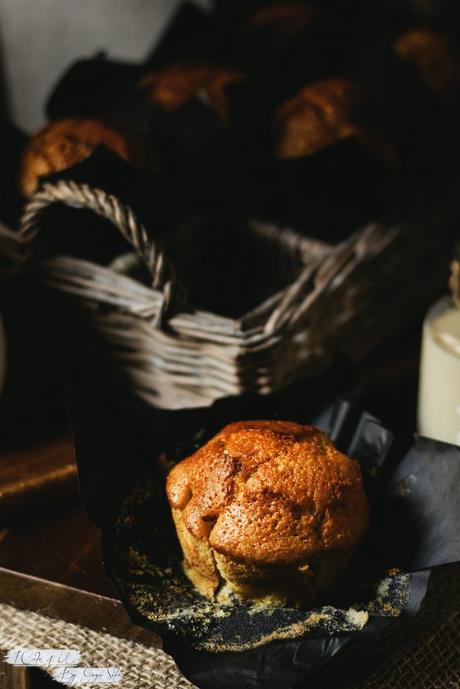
pixel 50 556
pixel 50 559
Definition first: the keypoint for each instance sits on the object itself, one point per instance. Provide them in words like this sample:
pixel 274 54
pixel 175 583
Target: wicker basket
pixel 347 297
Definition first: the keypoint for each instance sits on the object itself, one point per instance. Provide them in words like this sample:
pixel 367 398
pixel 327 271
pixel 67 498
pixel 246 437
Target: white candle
pixel 439 387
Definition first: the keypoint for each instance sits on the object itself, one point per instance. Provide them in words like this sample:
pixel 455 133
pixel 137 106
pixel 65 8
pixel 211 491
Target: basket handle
pixel 123 217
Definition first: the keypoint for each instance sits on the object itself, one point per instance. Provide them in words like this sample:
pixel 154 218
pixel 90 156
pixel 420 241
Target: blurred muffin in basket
pixel 324 113
pixel 66 142
pixel 286 19
pixel 173 86
pixel 265 35
pixel 433 58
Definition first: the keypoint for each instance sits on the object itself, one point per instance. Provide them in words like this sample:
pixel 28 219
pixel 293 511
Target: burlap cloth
pixel 143 667
pixel 420 653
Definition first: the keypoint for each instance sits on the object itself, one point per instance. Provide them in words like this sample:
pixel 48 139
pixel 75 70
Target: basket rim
pixel 80 195
pixel 279 316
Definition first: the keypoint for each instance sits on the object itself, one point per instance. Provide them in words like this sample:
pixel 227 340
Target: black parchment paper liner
pixel 351 39
pixel 234 164
pixel 97 87
pixel 414 511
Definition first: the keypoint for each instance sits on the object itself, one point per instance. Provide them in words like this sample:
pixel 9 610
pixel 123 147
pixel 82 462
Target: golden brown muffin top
pixel 68 141
pixel 433 58
pixel 288 17
pixel 172 86
pixel 270 492
pixel 318 116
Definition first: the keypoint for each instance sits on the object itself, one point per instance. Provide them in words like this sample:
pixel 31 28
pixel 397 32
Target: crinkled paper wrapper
pixel 414 510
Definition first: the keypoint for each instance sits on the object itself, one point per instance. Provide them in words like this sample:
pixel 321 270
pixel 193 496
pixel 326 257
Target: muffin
pixel 66 142
pixel 267 510
pixel 432 57
pixel 268 37
pixel 171 87
pixel 324 113
pixel 286 18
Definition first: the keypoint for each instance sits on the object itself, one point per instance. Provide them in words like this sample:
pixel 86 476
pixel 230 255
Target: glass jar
pixel 439 387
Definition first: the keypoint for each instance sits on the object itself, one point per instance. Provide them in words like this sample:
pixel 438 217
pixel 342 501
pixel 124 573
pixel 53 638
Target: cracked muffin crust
pixel 269 510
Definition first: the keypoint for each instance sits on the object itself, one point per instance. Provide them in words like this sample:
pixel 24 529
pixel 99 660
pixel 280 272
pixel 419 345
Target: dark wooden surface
pixel 36 471
pixel 50 557
pixel 13 677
